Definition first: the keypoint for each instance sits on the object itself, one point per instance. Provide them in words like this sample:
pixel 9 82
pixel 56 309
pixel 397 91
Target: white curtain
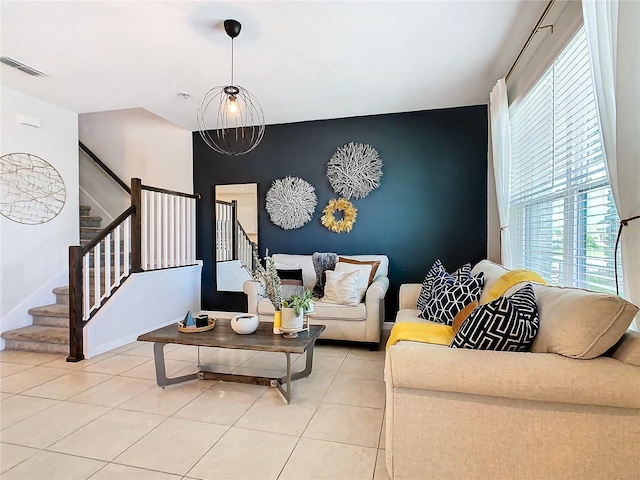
pixel 613 36
pixel 501 150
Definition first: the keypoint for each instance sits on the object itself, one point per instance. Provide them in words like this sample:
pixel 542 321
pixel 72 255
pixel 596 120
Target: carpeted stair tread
pixel 39 333
pixel 64 290
pixel 54 310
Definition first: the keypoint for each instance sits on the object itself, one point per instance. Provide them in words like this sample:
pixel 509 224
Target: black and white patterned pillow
pixel 506 324
pixel 427 283
pixel 463 272
pixel 449 296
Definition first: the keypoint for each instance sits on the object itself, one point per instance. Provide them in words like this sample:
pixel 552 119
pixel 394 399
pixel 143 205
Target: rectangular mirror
pixel 236 221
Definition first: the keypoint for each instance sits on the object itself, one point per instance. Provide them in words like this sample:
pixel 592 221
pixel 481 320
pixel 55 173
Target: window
pixel 563 219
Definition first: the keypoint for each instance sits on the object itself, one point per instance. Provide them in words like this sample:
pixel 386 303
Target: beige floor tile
pixel 109 435
pixel 354 391
pixel 113 392
pixel 174 447
pixel 116 364
pixel 147 370
pixel 245 454
pixel 187 353
pixel 126 348
pixel 318 459
pixel 270 360
pixel 7 369
pixel 380 472
pixel 30 378
pixel 49 426
pixel 145 349
pixel 272 414
pixel 259 372
pixel 224 403
pixel 69 385
pixel 12 455
pixel 346 424
pixel 228 356
pixel 211 367
pixel 306 391
pixel 28 358
pixel 62 363
pixel 168 400
pixel 4 396
pixel 113 471
pixel 383 433
pixel 365 369
pixel 322 365
pixel 363 353
pixel 19 407
pixel 54 466
pixel 329 350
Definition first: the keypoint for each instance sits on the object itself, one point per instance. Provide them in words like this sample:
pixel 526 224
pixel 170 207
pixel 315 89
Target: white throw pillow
pixel 365 272
pixel 342 288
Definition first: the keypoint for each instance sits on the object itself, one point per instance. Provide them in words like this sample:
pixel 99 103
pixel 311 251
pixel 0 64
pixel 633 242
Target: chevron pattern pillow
pixel 462 273
pixel 507 324
pixel 449 296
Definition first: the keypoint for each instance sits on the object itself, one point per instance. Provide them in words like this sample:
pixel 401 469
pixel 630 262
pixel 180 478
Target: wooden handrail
pixel 104 167
pixel 108 229
pixel 197 196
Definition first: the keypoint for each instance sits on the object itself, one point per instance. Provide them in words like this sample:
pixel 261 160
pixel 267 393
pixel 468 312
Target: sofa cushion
pixel 374 266
pixel 505 324
pixel 510 279
pixel 290 280
pixel 324 310
pixel 304 261
pixel 627 349
pixel 364 269
pixel 383 268
pixel 578 323
pixel 492 272
pixel 449 296
pixel 342 288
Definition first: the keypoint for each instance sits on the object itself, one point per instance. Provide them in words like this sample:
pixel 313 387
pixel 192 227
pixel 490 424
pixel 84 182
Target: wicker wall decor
pixel 354 170
pixel 291 202
pixel 33 191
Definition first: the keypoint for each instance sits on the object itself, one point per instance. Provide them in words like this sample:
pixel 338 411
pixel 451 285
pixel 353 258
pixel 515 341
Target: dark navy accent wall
pixel 431 203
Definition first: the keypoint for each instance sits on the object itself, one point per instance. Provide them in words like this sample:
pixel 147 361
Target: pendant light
pixel 230 118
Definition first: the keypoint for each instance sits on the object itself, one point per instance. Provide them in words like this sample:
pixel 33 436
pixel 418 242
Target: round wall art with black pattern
pixel 31 190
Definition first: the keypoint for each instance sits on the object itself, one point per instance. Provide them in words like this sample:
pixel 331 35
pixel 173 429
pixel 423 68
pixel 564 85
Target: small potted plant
pixel 293 310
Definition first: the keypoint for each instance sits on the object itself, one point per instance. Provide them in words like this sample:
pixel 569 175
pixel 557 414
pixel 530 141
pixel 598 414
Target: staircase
pixel 50 330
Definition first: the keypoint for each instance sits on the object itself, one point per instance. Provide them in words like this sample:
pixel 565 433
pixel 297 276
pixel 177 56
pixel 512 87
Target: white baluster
pixel 144 220
pixel 193 231
pixel 172 231
pixel 107 265
pixel 127 245
pixel 116 255
pixel 165 229
pixel 152 231
pixel 96 275
pixel 86 287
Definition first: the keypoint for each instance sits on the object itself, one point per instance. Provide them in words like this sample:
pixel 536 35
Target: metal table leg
pixel 161 374
pixel 286 393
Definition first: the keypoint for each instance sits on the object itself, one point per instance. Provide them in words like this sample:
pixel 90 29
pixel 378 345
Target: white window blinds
pixel 563 220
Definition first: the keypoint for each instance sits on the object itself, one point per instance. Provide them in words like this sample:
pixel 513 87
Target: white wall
pixel 146 301
pixel 34 258
pixel 133 143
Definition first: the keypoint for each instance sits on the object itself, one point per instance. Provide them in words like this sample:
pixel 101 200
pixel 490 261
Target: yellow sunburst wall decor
pixel 349 214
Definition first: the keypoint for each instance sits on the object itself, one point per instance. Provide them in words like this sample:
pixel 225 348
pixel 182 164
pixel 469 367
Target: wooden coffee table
pixel 222 336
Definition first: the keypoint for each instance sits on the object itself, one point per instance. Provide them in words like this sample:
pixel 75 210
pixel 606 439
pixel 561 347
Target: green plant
pixel 299 303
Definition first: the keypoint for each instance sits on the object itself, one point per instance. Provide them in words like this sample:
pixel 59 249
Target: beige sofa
pixel 361 323
pixel 472 414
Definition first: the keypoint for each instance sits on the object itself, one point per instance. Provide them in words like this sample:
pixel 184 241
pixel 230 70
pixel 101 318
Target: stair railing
pixel 232 242
pixel 156 232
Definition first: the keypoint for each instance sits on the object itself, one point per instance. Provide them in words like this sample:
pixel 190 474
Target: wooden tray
pixel 182 328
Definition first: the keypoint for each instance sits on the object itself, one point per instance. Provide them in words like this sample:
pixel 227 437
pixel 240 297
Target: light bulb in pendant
pixel 232 106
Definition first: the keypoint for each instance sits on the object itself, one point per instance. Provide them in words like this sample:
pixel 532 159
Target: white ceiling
pixel 304 60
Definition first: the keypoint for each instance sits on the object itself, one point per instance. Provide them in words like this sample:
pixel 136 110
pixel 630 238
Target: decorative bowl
pixel 244 323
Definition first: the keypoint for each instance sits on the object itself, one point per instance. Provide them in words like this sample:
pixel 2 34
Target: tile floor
pixel 105 418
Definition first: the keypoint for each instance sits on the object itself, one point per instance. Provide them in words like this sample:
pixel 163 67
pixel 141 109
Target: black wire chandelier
pixel 230 118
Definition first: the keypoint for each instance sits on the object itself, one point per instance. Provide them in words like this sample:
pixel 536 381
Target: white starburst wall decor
pixel 354 170
pixel 31 189
pixel 291 202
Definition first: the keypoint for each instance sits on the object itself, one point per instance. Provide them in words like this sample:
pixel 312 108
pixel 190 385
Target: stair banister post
pixel 75 305
pixel 234 230
pixel 136 225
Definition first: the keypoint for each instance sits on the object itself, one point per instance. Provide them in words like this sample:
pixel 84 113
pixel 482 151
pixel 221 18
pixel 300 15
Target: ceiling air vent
pixel 12 62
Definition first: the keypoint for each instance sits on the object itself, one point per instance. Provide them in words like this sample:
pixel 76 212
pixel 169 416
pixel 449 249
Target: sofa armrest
pixel 409 295
pixel 376 291
pixel 255 293
pixel 545 377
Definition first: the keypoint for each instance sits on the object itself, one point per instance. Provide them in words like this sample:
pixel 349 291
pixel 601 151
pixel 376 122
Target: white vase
pixel 244 323
pixel 290 321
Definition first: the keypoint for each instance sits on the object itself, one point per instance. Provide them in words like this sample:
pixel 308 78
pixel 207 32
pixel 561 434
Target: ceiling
pixel 303 60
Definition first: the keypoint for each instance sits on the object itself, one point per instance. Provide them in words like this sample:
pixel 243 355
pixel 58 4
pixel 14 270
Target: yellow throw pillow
pixel 509 279
pixel 421 332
